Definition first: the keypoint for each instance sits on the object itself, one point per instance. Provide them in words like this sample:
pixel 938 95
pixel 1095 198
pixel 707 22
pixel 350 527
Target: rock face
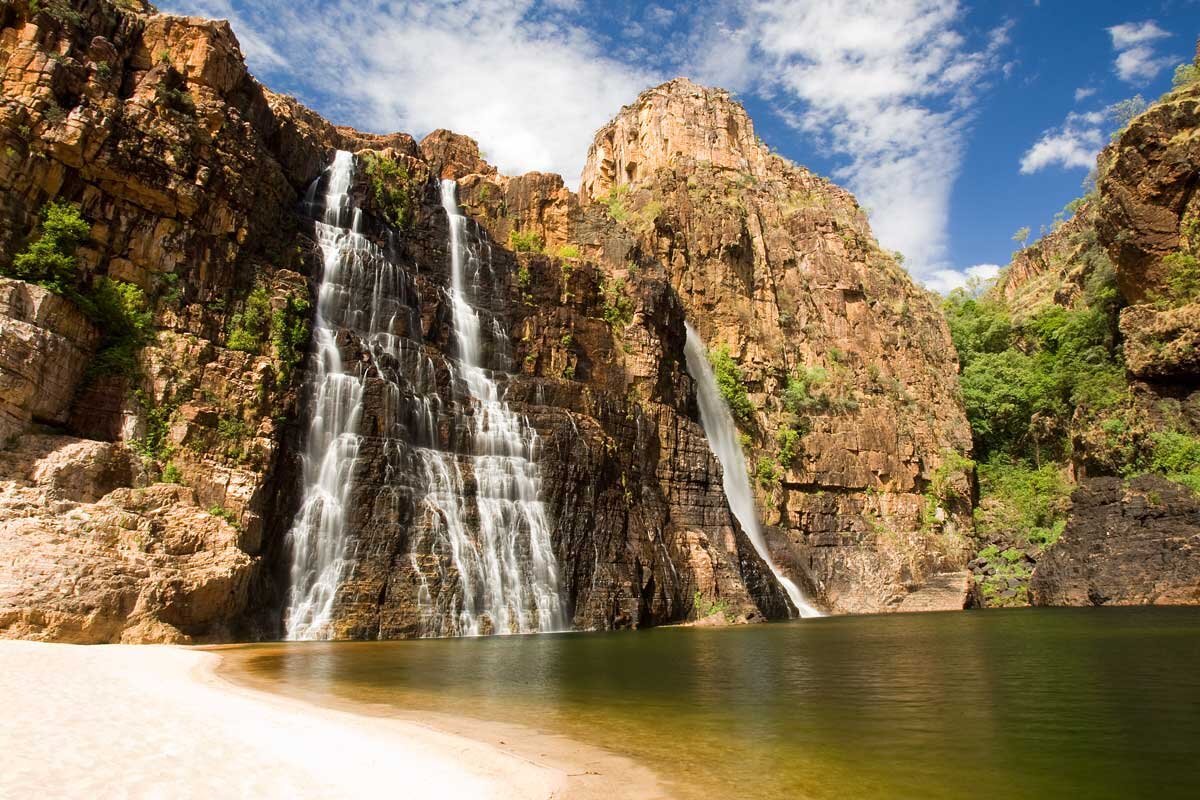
pixel 194 178
pixel 780 267
pixel 1130 542
pixel 87 559
pixel 44 346
pixel 189 174
pixel 1148 192
pixel 1135 543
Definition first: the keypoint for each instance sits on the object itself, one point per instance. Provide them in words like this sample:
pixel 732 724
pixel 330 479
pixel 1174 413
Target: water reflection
pixel 1041 703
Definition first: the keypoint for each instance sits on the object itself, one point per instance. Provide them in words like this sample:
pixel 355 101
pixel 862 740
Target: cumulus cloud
pixel 1137 59
pixel 1132 34
pixel 517 75
pixel 944 281
pixel 1083 93
pixel 1074 144
pixel 888 85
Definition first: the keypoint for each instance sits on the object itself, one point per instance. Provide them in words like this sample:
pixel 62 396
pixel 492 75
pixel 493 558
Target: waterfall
pixel 317 538
pixel 508 572
pixel 722 438
pixel 460 477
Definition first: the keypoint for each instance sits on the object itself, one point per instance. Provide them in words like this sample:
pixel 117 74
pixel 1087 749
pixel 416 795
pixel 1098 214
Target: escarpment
pixel 194 182
pixel 854 435
pixel 1110 295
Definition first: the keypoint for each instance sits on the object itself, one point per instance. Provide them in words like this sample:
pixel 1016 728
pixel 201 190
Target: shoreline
pixel 156 720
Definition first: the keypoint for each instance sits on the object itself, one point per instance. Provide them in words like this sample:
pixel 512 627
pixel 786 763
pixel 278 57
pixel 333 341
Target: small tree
pixel 1021 237
pixel 1123 112
pixel 50 259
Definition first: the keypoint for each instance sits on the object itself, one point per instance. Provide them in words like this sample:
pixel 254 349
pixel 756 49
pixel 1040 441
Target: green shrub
pixel 50 259
pixel 123 316
pixel 525 242
pixel 1026 501
pixel 568 251
pixel 290 330
pixel 248 329
pixel 225 514
pixel 731 384
pixel 976 326
pixel 154 444
pixel 614 201
pixel 789 445
pixel 618 307
pixel 799 395
pixel 1182 281
pixel 392 187
pixel 1185 75
pixel 766 473
pixel 171 474
pixel 59 9
pixel 1177 456
pixel 705 609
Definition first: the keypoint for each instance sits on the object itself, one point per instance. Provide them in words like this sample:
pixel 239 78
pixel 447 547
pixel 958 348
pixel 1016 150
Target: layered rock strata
pixel 193 179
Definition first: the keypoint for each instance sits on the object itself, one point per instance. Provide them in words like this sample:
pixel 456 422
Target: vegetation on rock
pixel 392 188
pixel 50 259
pixel 526 242
pixel 732 385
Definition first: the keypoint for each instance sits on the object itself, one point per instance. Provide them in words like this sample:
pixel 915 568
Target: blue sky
pixel 955 122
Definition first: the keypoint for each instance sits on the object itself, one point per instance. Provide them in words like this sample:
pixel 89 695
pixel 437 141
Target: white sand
pixel 142 721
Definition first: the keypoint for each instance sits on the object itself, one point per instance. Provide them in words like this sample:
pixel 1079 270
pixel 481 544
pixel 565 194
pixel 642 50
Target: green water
pixel 1045 703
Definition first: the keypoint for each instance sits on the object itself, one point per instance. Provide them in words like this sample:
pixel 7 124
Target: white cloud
pixel 1132 34
pixel 1141 64
pixel 1137 61
pixel 517 76
pixel 886 84
pixel 947 280
pixel 1074 144
pixel 1083 93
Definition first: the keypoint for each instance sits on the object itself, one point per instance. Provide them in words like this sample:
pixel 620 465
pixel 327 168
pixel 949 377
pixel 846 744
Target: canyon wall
pixel 1131 246
pixel 151 502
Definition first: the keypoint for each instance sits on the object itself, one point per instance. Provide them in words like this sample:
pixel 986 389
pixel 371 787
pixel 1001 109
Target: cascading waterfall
pixel 508 573
pixel 722 438
pixel 480 556
pixel 317 538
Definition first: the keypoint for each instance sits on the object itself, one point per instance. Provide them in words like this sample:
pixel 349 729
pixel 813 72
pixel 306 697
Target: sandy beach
pixel 151 721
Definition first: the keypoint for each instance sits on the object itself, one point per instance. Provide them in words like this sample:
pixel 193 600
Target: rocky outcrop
pixel 193 179
pixel 1148 192
pixel 45 342
pixel 1135 543
pixel 780 267
pixel 677 124
pixel 1126 252
pixel 93 553
pixel 1161 345
pixel 1054 269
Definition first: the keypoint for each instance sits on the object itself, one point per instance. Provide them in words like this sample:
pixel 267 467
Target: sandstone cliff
pixel 192 178
pixel 1130 249
pixel 852 428
pixel 151 502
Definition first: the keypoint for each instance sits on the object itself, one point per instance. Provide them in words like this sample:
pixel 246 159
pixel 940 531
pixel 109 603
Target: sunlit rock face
pixel 780 267
pixel 200 188
pixel 1127 541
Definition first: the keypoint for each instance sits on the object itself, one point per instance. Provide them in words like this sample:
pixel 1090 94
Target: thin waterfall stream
pixel 461 469
pixel 721 433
